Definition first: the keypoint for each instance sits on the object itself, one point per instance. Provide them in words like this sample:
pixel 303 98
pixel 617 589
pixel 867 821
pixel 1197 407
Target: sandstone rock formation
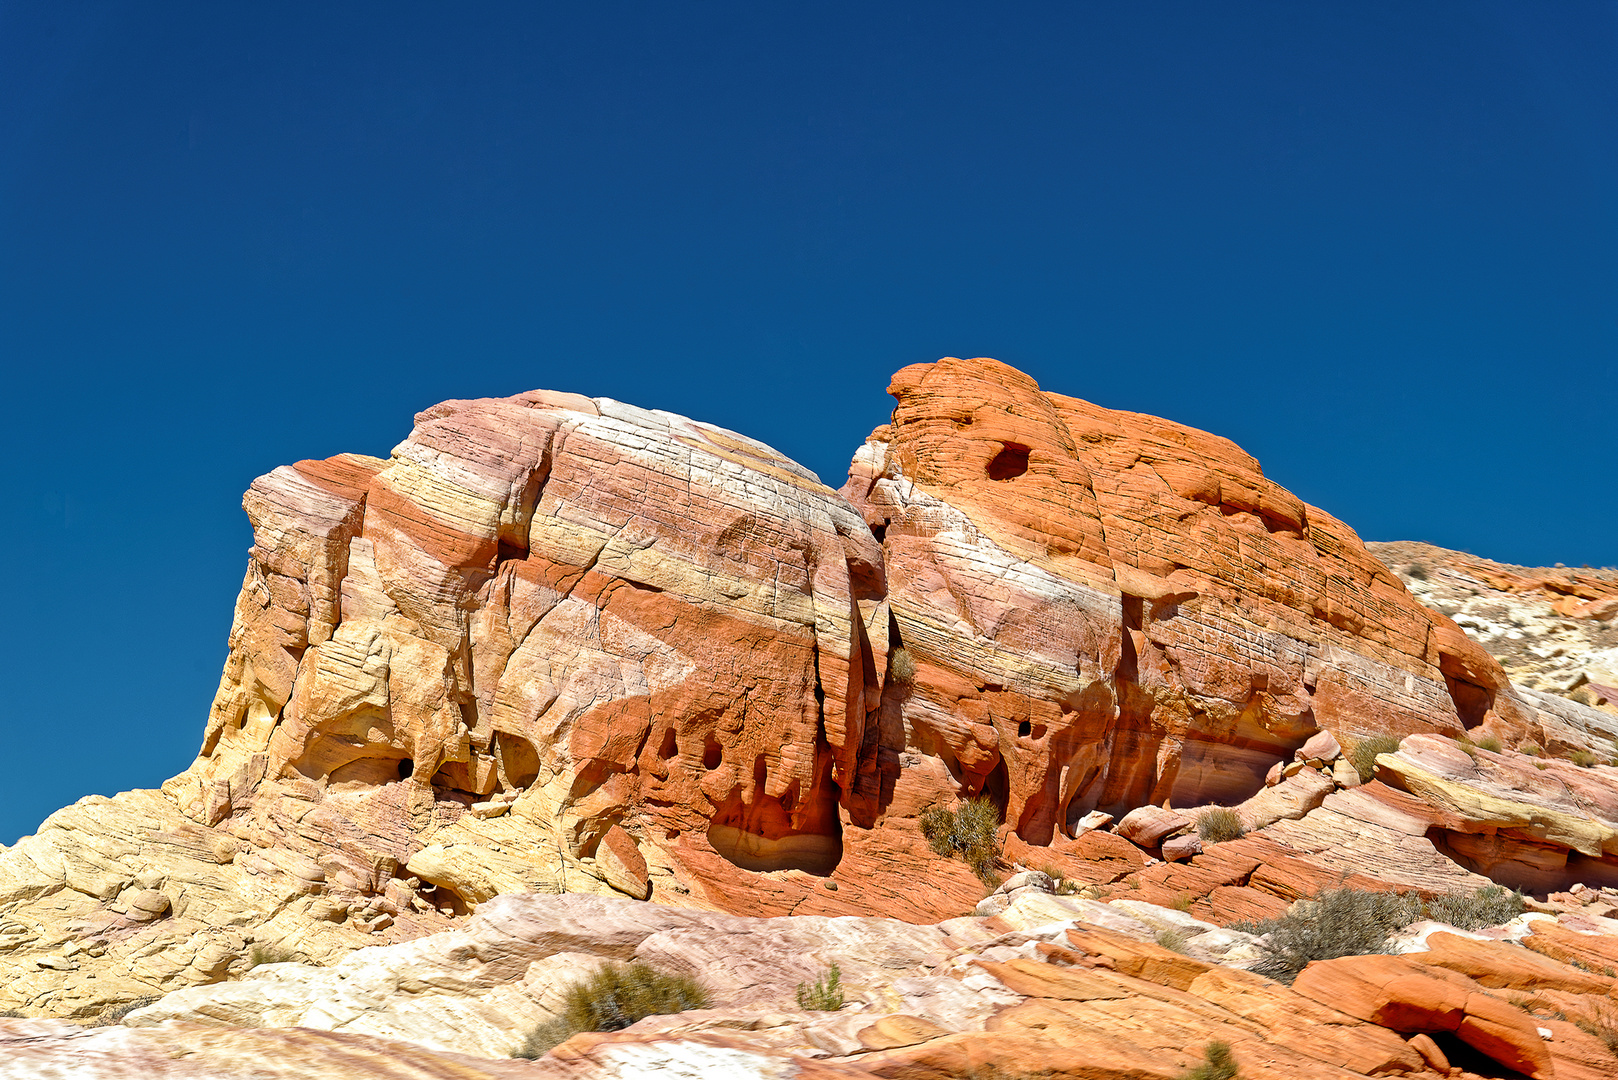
pixel 563 644
pixel 1059 986
pixel 1553 629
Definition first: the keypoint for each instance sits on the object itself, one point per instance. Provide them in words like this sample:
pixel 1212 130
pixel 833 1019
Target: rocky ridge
pixel 563 645
pixel 1554 630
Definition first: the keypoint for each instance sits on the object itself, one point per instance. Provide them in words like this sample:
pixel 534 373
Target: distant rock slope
pixel 564 644
pixel 1553 629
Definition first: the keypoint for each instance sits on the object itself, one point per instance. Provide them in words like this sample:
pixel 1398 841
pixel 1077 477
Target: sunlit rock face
pixel 1106 609
pixel 625 617
pixel 568 643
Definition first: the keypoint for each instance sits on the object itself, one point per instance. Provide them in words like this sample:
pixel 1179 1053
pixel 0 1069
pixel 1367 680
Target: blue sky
pixel 1374 243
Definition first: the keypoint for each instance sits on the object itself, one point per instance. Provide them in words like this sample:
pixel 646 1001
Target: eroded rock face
pixel 1105 610
pixel 563 644
pixel 647 628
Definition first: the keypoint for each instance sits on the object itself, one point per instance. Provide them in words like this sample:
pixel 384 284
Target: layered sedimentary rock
pixel 1054 985
pixel 564 644
pixel 1105 609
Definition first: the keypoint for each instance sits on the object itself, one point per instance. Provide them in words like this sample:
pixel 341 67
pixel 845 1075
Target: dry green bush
pixel 1584 759
pixel 970 834
pixel 1489 743
pixel 1603 1024
pixel 614 997
pixel 12 1013
pixel 825 994
pixel 1217 1064
pixel 266 952
pixel 1173 938
pixel 1353 922
pixel 902 666
pixel 1220 824
pixel 1363 756
pixel 1491 905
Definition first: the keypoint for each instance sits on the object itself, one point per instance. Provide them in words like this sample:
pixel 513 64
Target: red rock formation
pixel 1106 610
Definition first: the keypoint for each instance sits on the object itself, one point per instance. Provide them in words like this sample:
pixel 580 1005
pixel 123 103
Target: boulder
pixel 1146 826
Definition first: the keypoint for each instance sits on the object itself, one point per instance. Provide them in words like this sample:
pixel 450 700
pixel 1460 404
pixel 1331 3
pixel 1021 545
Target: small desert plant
pixel 1353 922
pixel 1582 758
pixel 1528 1004
pixel 902 666
pixel 1220 824
pixel 614 997
pixel 267 952
pixel 1183 901
pixel 825 994
pixel 970 834
pixel 1531 749
pixel 1173 938
pixel 1491 905
pixel 1603 1024
pixel 1217 1064
pixel 12 1013
pixel 1489 743
pixel 1416 571
pixel 1338 922
pixel 1363 756
pixel 114 1014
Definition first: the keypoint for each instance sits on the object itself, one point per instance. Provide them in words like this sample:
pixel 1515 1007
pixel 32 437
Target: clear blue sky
pixel 1374 243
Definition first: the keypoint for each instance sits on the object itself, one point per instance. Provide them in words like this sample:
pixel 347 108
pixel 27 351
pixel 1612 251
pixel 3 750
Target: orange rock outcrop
pixel 671 658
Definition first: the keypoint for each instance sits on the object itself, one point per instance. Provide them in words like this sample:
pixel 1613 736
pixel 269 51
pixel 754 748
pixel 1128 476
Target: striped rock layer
pixel 554 634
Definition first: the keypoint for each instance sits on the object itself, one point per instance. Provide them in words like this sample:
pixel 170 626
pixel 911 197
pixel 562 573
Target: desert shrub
pixel 825 994
pixel 1582 758
pixel 1173 938
pixel 614 997
pixel 114 1014
pixel 1531 749
pixel 1489 743
pixel 902 666
pixel 1363 756
pixel 1353 922
pixel 1603 1024
pixel 1416 571
pixel 267 952
pixel 1217 1064
pixel 1338 922
pixel 12 1013
pixel 1491 905
pixel 1220 824
pixel 970 834
pixel 1183 901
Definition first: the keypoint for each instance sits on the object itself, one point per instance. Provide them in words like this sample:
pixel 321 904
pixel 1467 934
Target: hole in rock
pixel 768 834
pixel 669 748
pixel 880 531
pixel 519 758
pixel 406 767
pixel 1012 460
pixel 713 755
pixel 365 772
pixel 759 837
pixel 1472 701
pixel 1470 1059
pixel 997 787
pixel 1025 728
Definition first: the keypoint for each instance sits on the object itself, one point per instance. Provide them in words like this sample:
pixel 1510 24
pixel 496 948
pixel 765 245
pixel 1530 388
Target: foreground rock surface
pixel 567 645
pixel 1053 985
